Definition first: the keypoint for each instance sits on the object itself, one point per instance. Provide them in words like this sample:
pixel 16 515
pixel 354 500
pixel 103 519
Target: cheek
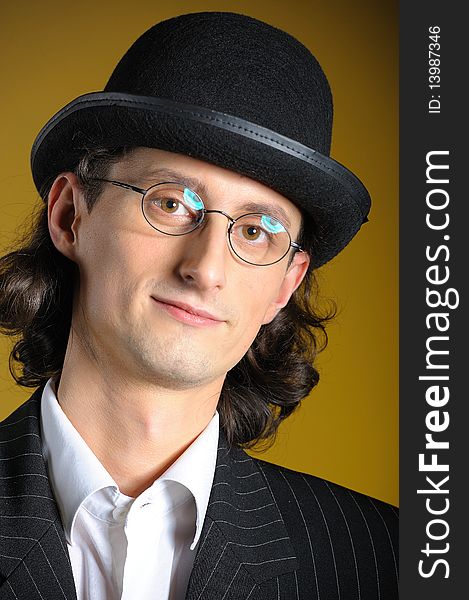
pixel 109 267
pixel 256 304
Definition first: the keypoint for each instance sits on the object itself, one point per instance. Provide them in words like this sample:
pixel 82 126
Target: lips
pixel 187 312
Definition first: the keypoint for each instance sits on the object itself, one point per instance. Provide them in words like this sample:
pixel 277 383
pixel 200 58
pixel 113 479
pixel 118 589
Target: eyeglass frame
pixel 296 247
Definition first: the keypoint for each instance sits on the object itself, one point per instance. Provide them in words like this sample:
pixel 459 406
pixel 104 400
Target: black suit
pixel 269 533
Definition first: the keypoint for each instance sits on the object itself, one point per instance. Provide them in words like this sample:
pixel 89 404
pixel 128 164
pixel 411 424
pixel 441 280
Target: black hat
pixel 230 90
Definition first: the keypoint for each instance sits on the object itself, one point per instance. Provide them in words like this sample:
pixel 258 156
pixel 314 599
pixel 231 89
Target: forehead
pixel 217 186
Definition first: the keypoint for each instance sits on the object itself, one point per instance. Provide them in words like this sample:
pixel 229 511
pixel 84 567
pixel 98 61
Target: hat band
pixel 224 121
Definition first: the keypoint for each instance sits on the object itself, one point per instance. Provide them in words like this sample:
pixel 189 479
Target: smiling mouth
pixel 188 314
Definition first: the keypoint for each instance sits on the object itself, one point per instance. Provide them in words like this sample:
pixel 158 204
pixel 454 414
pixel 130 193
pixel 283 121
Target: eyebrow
pixel 170 175
pixel 269 209
pixel 198 186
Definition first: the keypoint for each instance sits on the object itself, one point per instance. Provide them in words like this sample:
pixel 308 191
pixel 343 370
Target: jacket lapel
pixel 34 561
pixel 243 540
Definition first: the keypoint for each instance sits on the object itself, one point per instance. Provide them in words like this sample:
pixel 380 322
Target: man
pixel 162 311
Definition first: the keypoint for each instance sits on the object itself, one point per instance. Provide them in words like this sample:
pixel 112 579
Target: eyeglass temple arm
pixel 127 186
pixel 296 246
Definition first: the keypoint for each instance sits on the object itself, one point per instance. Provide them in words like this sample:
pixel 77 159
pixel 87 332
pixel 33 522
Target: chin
pixel 170 368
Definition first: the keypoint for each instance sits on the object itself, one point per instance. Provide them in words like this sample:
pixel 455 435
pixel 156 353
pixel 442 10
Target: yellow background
pixel 346 431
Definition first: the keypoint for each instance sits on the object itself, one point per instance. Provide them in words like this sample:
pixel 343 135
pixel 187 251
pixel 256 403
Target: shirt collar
pixel 64 447
pixel 195 469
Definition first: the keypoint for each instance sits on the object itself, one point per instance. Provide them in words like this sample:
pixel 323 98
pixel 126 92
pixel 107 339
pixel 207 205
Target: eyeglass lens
pixel 176 210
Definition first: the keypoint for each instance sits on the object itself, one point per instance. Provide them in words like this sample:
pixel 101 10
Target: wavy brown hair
pixel 264 388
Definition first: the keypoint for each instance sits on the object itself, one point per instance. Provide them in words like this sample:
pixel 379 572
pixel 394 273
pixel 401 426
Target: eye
pixel 251 232
pixel 259 228
pixel 171 206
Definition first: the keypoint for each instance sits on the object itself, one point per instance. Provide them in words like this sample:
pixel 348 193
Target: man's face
pixel 175 311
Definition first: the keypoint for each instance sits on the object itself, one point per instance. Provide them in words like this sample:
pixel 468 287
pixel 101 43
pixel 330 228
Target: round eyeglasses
pixel 174 209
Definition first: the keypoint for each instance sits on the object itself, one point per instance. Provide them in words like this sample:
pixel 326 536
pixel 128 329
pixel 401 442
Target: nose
pixel 205 255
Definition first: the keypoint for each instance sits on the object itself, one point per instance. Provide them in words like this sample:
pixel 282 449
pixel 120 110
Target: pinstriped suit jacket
pixel 269 533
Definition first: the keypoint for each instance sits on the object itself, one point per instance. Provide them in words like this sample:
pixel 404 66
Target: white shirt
pixel 121 547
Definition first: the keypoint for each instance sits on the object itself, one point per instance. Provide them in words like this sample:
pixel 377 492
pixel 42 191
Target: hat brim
pixel 332 195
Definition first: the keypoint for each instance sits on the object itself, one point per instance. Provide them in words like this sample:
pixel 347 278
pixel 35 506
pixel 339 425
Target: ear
pixel 292 279
pixel 65 206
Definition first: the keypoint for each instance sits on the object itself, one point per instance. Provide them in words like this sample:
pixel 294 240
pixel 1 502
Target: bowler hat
pixel 230 90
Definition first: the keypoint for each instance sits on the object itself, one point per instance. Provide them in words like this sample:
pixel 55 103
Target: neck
pixel 135 428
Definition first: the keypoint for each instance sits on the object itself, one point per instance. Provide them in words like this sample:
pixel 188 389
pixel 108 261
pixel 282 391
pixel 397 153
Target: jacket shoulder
pixel 20 419
pixel 299 483
pixel 349 535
